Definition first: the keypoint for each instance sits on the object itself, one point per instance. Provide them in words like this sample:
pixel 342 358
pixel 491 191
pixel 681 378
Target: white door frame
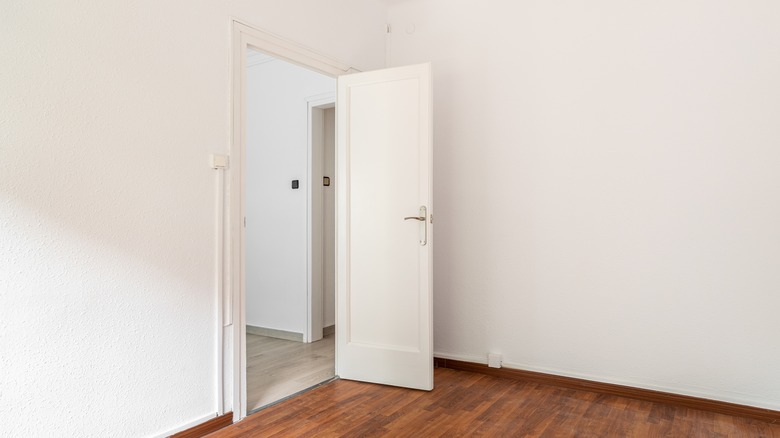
pixel 245 36
pixel 315 302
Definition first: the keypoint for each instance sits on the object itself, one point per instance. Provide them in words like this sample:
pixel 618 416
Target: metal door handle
pixel 422 218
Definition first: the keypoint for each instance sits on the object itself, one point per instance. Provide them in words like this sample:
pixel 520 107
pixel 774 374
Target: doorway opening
pixel 289 229
pixel 383 255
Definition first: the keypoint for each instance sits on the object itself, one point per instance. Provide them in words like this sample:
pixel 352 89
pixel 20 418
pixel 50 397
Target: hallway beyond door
pixel 277 368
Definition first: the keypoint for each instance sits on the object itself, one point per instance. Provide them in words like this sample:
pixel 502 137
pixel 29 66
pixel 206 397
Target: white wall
pixel 276 154
pixel 607 187
pixel 108 111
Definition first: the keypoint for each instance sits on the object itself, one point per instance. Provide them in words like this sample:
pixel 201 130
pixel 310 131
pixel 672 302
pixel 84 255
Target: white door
pixel 384 331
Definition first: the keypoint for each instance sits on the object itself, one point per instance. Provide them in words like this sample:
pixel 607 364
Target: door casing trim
pixel 233 348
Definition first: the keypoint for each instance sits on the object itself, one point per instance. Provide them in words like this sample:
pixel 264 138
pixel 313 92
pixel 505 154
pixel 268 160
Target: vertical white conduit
pixel 219 163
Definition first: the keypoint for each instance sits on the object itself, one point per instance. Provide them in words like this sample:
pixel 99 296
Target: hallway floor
pixel 277 368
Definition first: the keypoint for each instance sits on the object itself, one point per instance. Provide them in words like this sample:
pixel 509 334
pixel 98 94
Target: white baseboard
pixel 273 333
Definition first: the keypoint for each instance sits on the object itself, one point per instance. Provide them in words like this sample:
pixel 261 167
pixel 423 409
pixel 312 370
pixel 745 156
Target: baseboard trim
pixel 329 330
pixel 273 333
pixel 207 427
pixel 703 404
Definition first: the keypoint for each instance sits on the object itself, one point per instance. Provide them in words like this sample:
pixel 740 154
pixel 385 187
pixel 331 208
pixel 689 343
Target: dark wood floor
pixel 470 404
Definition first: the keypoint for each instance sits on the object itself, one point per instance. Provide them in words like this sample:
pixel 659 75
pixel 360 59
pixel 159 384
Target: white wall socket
pixel 494 360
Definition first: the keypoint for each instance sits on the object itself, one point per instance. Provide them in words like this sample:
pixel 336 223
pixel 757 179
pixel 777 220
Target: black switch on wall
pixel 295 183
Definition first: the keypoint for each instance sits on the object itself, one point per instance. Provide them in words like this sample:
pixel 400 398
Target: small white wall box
pixel 494 360
pixel 219 161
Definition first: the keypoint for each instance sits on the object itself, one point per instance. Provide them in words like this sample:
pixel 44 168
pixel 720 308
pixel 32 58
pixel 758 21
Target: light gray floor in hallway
pixel 277 368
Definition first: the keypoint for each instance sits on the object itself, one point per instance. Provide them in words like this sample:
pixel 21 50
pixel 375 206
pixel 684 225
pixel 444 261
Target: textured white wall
pixel 108 111
pixel 607 187
pixel 276 154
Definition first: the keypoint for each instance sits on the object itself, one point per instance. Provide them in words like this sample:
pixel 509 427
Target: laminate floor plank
pixel 278 368
pixel 465 404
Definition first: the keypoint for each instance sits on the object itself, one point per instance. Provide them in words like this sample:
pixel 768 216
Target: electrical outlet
pixel 494 360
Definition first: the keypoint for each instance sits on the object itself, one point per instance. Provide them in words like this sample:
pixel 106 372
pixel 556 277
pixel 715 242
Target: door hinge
pixel 244 221
pixel 431 217
pixel 388 29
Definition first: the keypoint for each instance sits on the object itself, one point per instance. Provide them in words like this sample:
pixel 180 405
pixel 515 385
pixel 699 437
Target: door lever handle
pixel 422 218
